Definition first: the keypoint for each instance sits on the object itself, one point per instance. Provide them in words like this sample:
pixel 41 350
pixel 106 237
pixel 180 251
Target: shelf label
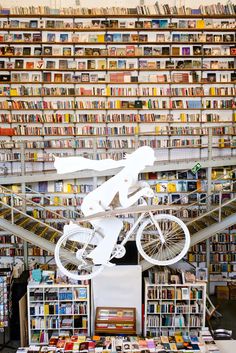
pixel 196 168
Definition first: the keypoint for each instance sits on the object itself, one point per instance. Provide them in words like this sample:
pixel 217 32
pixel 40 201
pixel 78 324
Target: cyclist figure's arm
pixel 126 201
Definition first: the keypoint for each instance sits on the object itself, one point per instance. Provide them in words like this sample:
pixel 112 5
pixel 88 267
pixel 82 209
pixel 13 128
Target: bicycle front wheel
pixel 167 250
pixel 72 254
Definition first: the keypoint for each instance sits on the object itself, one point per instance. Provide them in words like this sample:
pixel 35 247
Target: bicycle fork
pixel 157 226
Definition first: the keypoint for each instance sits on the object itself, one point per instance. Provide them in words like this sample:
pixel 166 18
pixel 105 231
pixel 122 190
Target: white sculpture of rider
pixel 125 184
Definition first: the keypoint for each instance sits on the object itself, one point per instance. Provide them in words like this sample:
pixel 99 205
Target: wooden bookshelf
pixel 115 320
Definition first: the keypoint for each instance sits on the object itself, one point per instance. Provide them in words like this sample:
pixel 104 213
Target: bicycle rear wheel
pixel 72 254
pixel 175 235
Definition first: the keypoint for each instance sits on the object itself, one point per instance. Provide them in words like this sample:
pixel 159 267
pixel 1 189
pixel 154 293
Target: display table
pixel 226 346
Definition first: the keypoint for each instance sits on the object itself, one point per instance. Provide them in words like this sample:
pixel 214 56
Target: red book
pixel 69 346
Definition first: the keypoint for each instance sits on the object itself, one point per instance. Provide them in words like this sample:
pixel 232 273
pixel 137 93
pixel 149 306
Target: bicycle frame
pixel 138 221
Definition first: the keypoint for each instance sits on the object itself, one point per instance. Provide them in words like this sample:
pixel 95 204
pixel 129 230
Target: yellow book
pixel 15 188
pixel 67 118
pixel 234 117
pixel 183 117
pixel 136 129
pixel 56 200
pixel 200 24
pixel 35 156
pixel 101 38
pixel 13 92
pixel 84 322
pixel 108 91
pixel 118 104
pixel 158 188
pixel 35 214
pixel 212 91
pixel 46 309
pixel 221 143
pixel 157 129
pixel 69 188
pixel 171 187
pixel 102 64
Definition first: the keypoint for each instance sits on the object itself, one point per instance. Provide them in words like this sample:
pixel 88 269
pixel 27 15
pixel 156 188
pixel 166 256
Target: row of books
pixel 221 247
pixel 119 64
pixel 116 65
pixel 107 131
pixel 128 50
pixel 178 340
pixel 225 237
pixel 95 24
pixel 40 309
pixel 223 267
pixel 6 251
pixel 43 214
pixel 120 104
pixel 215 9
pixel 218 257
pixel 116 91
pixel 103 118
pixel 69 38
pixel 121 77
pixel 74 38
pixel 128 143
pixel 62 293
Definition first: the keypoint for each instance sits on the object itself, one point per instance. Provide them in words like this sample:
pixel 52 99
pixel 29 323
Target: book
pixel 19 64
pixel 130 50
pixel 64 37
pixel 66 51
pixel 51 37
pixel 47 50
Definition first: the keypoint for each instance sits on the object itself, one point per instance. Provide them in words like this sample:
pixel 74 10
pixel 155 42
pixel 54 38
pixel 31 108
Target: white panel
pixel 118 286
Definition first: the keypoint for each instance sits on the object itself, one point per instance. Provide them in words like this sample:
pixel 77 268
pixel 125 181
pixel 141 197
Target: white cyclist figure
pixel 124 186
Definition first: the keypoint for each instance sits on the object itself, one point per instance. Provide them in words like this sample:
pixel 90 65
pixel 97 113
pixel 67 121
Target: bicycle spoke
pixel 174 234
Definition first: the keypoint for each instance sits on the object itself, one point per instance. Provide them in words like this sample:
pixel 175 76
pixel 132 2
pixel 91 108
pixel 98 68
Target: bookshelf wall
pixel 55 309
pixel 172 307
pixel 113 82
pixel 222 267
pixel 100 83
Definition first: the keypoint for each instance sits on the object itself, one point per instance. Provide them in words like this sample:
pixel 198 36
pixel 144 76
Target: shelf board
pixel 117 83
pixel 116 96
pixel 113 56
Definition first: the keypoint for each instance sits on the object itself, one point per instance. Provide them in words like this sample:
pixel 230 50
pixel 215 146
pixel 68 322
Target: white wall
pixel 103 3
pixel 119 286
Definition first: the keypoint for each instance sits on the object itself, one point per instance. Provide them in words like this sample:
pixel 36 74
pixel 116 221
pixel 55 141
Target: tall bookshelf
pixel 113 82
pixel 222 266
pixel 57 309
pixel 100 83
pixel 174 307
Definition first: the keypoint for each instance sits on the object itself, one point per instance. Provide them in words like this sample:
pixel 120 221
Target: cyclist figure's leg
pixel 110 228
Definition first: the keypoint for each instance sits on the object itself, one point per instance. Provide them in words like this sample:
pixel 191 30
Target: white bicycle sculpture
pixel 161 239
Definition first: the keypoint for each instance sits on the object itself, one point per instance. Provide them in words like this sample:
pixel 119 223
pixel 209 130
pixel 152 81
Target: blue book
pixel 196 11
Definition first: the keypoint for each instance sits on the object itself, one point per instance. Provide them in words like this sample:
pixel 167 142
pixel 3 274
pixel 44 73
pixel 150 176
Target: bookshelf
pixel 115 320
pixel 222 265
pixel 6 299
pixel 55 309
pixel 173 307
pixel 113 81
